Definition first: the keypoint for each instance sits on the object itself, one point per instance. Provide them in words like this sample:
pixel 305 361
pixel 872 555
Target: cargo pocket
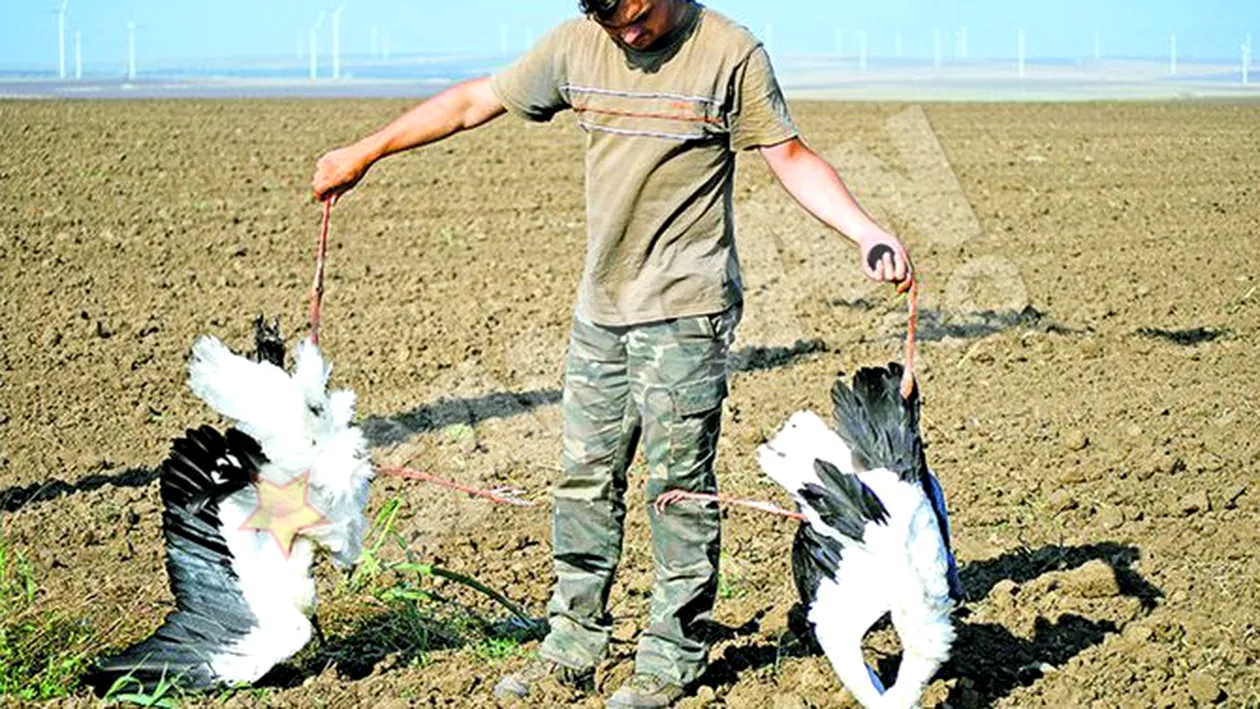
pixel 696 398
pixel 693 433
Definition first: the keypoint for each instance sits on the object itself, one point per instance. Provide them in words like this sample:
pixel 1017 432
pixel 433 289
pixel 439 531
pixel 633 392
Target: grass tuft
pixel 42 655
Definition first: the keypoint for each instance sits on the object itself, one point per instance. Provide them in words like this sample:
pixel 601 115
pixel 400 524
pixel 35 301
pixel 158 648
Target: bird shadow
pixel 1186 338
pixel 470 411
pixel 449 411
pixel 936 325
pixel 988 660
pixel 15 498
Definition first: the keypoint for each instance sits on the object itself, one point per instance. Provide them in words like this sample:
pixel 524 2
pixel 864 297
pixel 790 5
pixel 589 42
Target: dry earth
pixel 1094 431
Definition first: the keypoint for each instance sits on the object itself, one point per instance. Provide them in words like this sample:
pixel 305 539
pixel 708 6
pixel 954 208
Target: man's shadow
pixel 993 659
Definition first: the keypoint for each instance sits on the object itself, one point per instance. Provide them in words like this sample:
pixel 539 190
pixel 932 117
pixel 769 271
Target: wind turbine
pixel 936 61
pixel 336 43
pixel 311 36
pixel 131 51
pixel 375 42
pixel 61 39
pixel 78 55
pixel 839 42
pixel 1172 51
pixel 898 44
pixel 862 50
pixel 503 40
pixel 1023 52
pixel 1246 59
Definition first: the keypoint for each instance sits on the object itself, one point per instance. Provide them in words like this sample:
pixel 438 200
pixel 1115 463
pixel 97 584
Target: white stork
pixel 244 592
pixel 876 536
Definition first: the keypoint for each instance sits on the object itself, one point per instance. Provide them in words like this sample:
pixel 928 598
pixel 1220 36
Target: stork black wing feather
pixel 211 612
pixel 843 502
pixel 879 426
pixel 814 557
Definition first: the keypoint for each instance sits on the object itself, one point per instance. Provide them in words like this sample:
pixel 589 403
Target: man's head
pixel 637 24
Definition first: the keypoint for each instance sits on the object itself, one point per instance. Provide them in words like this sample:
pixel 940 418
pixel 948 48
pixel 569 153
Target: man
pixel 667 92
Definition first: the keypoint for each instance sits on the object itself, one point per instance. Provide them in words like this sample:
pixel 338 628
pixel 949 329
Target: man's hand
pixel 339 170
pixel 885 259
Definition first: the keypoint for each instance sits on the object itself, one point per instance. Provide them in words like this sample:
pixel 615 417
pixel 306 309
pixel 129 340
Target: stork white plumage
pixel 876 536
pixel 243 600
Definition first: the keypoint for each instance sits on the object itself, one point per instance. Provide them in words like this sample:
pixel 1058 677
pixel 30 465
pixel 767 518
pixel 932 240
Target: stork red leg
pixel 674 496
pixel 317 288
pixel 502 496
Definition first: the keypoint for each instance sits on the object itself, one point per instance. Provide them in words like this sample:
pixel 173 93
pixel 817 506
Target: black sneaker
pixel 644 691
pixel 517 684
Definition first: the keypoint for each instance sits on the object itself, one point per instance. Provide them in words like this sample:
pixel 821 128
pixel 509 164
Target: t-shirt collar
pixel 691 15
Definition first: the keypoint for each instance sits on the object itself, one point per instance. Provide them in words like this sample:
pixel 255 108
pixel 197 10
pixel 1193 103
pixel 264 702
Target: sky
pixel 188 32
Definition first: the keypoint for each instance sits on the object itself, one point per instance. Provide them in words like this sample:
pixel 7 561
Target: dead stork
pixel 243 516
pixel 875 538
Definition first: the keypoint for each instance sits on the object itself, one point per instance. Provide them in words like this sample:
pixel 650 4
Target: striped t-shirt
pixel 662 129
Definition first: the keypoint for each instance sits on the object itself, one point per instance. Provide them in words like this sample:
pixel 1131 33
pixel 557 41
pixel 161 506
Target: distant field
pixel 804 77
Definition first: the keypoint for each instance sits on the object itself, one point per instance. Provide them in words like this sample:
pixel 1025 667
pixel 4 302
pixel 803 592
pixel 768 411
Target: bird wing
pixel 211 612
pixel 879 425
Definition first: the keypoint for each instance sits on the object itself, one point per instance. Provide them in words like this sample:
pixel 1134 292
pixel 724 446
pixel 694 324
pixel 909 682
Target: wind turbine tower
pixel 336 43
pixel 839 42
pixel 862 50
pixel 78 55
pixel 61 39
pixel 1172 51
pixel 131 51
pixel 1023 52
pixel 899 46
pixel 375 42
pixel 936 61
pixel 312 36
pixel 1246 59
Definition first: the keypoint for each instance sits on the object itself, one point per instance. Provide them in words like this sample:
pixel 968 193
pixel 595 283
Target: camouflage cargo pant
pixel 662 382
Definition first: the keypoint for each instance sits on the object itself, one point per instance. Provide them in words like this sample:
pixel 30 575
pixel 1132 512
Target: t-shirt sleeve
pixel 759 113
pixel 531 86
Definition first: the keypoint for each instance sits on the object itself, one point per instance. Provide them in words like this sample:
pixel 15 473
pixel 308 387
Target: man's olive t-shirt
pixel 662 129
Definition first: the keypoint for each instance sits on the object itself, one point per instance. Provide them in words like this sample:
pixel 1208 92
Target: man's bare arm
pixel 814 183
pixel 463 106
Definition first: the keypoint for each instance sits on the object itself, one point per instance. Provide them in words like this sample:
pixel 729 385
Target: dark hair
pixel 602 9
